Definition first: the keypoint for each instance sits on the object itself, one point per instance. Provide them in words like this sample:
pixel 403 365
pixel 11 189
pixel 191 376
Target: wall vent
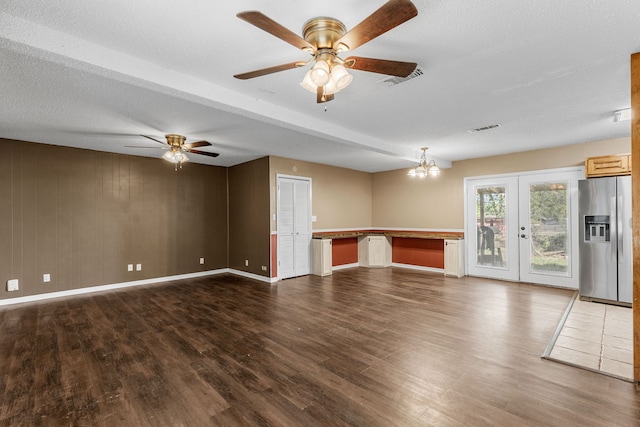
pixel 392 81
pixel 482 129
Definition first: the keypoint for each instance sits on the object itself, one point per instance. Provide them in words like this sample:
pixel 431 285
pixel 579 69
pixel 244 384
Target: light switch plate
pixel 129 267
pixel 138 267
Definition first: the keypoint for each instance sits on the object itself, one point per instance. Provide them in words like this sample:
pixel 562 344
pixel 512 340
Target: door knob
pixel 524 236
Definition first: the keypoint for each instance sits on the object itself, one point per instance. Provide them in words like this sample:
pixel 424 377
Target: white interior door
pixel 524 227
pixel 294 226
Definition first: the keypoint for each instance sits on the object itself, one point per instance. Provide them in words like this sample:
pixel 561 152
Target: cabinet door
pixel 453 258
pixel 608 165
pixel 376 251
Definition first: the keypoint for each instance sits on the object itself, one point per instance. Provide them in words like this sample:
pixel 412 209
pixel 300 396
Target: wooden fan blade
pixel 196 144
pixel 204 153
pixel 272 27
pixel 270 70
pixel 390 15
pixel 381 66
pixel 153 139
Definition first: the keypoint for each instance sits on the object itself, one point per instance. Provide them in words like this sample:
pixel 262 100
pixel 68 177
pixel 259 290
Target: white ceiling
pixel 97 74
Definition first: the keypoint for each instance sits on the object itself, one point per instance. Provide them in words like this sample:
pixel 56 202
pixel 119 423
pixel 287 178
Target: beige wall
pixel 438 203
pixel 341 198
pixel 82 216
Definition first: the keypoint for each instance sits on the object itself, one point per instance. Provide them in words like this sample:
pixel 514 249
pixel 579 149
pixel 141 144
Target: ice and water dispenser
pixel 596 228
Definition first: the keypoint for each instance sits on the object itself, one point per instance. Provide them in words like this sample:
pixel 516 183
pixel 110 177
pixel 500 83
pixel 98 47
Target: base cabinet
pixel 454 258
pixel 322 258
pixel 374 251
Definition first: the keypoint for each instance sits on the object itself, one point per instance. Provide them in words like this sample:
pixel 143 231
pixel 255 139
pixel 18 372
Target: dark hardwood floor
pixel 364 347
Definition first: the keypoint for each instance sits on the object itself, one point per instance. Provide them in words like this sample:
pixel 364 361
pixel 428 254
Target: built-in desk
pixel 420 249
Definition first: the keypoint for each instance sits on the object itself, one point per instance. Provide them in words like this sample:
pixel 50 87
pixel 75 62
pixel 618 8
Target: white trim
pixel 112 286
pixel 418 267
pixel 533 172
pixel 253 276
pixel 433 230
pixel 343 266
pixel 91 289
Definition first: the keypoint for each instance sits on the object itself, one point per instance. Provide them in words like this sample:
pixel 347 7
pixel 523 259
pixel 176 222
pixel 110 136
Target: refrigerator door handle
pixel 619 227
pixel 613 234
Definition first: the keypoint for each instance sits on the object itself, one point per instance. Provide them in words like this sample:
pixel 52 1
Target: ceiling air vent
pixel 392 81
pixel 482 129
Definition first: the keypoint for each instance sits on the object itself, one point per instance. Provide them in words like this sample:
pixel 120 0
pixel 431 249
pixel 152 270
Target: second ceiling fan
pixel 324 38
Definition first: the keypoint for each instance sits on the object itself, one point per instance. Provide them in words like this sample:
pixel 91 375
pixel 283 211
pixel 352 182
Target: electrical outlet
pixel 264 268
pixel 129 267
pixel 12 285
pixel 201 260
pixel 246 263
pixel 46 278
pixel 138 267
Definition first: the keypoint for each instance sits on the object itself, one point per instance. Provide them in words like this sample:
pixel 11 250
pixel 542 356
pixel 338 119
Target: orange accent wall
pixel 422 252
pixel 344 251
pixel 274 255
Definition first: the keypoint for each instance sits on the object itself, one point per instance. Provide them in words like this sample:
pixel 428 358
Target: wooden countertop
pixel 389 233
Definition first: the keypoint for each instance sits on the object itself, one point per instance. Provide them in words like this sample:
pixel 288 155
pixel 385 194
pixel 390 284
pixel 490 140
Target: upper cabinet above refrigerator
pixel 613 165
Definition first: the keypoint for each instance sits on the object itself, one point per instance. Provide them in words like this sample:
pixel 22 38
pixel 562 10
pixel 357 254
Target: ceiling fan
pixel 177 148
pixel 324 38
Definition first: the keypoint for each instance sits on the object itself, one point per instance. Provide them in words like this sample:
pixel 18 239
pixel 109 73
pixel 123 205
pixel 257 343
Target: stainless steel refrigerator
pixel 606 258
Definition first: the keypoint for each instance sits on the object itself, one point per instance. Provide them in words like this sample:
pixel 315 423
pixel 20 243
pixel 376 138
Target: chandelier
pixel 425 168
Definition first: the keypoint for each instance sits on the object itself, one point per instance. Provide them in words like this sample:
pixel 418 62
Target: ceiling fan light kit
pixel 175 155
pixel 325 37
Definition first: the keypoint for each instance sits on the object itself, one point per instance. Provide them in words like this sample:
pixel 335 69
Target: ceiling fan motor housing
pixel 323 32
pixel 175 140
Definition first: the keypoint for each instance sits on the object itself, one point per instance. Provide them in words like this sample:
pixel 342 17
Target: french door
pixel 524 227
pixel 294 226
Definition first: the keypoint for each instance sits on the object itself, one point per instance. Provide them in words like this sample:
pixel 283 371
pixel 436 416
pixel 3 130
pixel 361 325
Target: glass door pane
pixel 548 228
pixel 492 227
pixel 548 222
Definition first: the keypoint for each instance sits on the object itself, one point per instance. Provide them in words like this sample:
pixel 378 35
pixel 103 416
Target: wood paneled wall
pixel 82 216
pixel 635 200
pixel 249 217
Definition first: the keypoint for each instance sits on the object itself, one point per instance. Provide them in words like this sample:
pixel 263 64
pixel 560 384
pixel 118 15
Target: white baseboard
pixel 343 266
pixel 90 289
pixel 418 267
pixel 253 276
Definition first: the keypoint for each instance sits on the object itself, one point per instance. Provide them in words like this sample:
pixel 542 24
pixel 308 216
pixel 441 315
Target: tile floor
pixel 598 337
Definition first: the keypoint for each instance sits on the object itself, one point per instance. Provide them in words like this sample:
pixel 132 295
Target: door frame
pixel 279 177
pixel 469 181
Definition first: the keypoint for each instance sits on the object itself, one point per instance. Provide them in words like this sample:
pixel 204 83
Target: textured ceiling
pixel 98 74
